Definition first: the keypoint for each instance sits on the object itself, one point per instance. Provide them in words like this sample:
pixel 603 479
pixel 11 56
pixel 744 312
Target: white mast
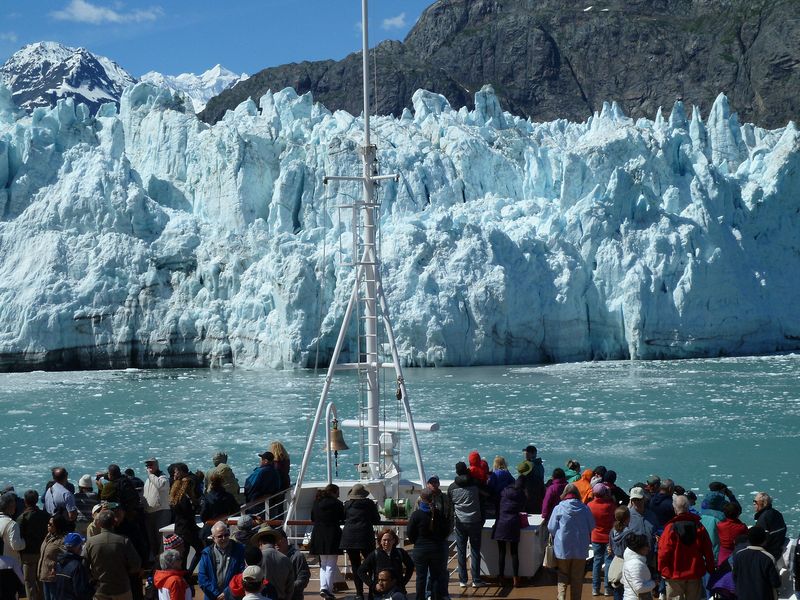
pixel 368 291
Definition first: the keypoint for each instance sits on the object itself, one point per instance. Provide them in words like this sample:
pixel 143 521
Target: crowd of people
pixel 103 540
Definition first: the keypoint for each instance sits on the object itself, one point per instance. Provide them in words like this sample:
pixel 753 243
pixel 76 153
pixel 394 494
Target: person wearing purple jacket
pixel 507 528
pixel 552 495
pixel 571 526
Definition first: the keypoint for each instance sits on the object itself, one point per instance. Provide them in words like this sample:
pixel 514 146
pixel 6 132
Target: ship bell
pixel 337 438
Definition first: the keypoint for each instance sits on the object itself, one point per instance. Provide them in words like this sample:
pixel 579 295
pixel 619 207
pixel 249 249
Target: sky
pixel 181 36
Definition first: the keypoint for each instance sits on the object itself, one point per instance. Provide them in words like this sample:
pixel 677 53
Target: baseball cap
pixel 529 448
pixel 267 455
pixel 654 480
pixel 252 573
pixel 73 539
pixel 434 479
pixel 637 493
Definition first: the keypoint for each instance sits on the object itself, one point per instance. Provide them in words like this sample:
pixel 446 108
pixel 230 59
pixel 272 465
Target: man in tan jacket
pixel 113 561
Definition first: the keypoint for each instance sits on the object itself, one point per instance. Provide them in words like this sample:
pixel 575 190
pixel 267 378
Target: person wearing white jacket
pixel 636 577
pixel 158 513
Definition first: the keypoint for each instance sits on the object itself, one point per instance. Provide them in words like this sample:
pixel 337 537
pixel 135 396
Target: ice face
pixel 149 238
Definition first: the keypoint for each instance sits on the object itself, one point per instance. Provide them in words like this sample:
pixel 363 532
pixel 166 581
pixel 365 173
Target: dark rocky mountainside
pixel 552 59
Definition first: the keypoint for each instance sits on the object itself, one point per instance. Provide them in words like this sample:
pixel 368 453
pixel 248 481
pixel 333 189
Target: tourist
pixel 302 572
pixel 119 488
pixel 252 558
pixel 571 526
pixel 253 583
pixel 219 562
pixel 602 507
pixel 85 499
pixel 33 528
pixel 283 465
pixel 643 521
pixel 112 559
pixel 157 511
pixel 52 547
pixel 182 499
pixel 637 579
pixel 442 503
pixel 59 499
pixel 652 487
pixel 428 530
pixel 552 495
pixel 327 514
pixel 684 553
pixel 617 493
pixel 692 498
pixel 217 504
pixel 506 531
pixel 465 495
pixel 229 481
pixel 10 535
pixel 710 516
pixel 358 535
pixel 729 530
pixel 619 542
pixel 661 503
pixel 772 522
pixel 572 471
pixel 476 467
pixel 499 479
pixel 170 579
pixel 584 486
pixel 533 479
pixel 598 473
pixel 277 567
pixel 261 483
pixel 245 528
pixel 387 556
pixel 93 528
pixel 136 482
pixel 718 486
pixel 73 580
pixel 387 586
pixel 754 571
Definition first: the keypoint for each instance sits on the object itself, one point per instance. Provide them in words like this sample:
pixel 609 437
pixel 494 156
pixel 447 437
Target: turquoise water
pixel 735 420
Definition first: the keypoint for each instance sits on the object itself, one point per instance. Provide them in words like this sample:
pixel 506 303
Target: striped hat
pixel 171 542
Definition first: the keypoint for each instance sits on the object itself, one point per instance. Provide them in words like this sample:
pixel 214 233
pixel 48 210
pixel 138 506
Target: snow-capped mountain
pixel 148 238
pixel 200 88
pixel 41 73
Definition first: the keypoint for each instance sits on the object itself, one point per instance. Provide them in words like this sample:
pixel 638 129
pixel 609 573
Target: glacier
pixel 144 237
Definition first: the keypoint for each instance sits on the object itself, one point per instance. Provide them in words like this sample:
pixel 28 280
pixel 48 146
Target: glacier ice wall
pixel 147 238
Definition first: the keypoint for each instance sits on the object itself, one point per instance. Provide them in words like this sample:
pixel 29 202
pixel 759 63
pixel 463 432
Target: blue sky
pixel 178 36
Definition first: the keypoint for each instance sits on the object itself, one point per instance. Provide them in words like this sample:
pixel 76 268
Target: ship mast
pixel 369 295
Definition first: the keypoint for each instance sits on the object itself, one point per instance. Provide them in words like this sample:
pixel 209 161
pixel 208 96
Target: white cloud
pixel 397 22
pixel 82 11
pixel 8 36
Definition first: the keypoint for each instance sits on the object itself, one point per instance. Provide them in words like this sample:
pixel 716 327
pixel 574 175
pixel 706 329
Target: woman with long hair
pixel 387 556
pixel 52 548
pixel 282 464
pixel 619 541
pixel 507 528
pixel 183 500
pixel 327 514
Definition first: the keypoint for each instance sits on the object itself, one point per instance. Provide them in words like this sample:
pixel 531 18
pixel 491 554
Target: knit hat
pixel 599 490
pixel 172 542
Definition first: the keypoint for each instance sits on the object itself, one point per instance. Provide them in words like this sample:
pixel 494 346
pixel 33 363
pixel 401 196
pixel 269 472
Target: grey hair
pixel 765 497
pixel 570 489
pixel 680 504
pixel 219 526
pixel 169 558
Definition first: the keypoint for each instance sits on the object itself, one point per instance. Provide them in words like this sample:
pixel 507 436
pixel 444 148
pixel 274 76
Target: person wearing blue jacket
pixel 264 481
pixel 571 524
pixel 222 558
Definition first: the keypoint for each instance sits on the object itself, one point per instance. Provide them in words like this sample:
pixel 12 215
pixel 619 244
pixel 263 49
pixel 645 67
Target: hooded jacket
pixel 636 577
pixel 552 496
pixel 584 485
pixel 571 526
pixel 476 467
pixel 72 578
pixel 684 549
pixel 603 513
pixel 171 585
pixel 661 505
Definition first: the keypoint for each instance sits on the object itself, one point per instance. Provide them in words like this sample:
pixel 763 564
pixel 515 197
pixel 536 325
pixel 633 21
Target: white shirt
pixel 12 540
pixel 156 493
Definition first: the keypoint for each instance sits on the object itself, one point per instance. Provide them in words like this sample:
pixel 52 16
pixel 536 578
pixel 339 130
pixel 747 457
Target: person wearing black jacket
pixel 358 536
pixel 754 572
pixel 387 556
pixel 217 504
pixel 73 581
pixel 327 514
pixel 428 530
pixel 772 522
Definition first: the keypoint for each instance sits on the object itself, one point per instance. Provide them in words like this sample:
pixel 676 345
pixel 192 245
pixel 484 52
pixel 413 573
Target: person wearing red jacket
pixel 684 553
pixel 602 507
